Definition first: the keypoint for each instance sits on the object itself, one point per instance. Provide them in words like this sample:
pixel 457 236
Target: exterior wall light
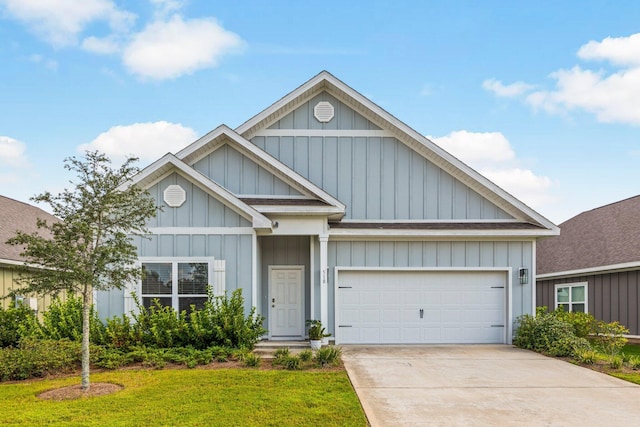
pixel 523 275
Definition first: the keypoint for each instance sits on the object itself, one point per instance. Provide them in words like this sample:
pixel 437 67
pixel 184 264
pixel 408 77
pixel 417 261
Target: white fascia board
pixel 591 271
pixel 336 232
pixel 14 263
pixel 264 159
pixel 440 157
pixel 297 210
pixel 168 163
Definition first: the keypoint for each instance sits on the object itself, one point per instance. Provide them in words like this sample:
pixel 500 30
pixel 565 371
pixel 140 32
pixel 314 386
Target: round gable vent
pixel 323 111
pixel 174 196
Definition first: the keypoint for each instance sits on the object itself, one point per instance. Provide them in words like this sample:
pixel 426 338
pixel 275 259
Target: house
pixel 325 206
pixel 594 265
pixel 15 215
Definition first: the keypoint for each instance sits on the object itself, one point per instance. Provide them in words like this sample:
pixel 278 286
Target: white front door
pixel 286 316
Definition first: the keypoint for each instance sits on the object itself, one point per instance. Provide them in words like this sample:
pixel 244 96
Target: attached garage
pixel 422 306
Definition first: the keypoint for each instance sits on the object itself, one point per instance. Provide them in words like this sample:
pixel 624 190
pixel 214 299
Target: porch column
pixel 324 271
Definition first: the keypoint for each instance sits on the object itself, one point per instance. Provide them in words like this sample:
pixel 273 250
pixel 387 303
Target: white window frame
pixel 570 302
pixel 174 261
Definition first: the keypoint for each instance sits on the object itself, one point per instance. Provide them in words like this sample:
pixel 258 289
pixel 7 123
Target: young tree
pixel 90 247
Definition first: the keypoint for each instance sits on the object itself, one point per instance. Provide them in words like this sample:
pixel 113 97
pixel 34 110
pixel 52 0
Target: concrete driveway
pixel 484 385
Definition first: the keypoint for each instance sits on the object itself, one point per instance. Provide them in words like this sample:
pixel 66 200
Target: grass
pixel 631 349
pixel 199 397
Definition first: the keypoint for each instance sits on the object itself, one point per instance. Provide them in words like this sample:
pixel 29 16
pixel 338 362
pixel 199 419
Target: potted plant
pixel 316 333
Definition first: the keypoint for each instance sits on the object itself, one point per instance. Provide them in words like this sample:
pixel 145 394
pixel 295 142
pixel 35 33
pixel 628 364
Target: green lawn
pixel 195 397
pixel 631 349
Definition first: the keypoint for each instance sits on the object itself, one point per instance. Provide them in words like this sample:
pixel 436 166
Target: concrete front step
pixel 266 349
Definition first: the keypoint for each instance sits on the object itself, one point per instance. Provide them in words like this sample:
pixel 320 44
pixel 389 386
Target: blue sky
pixel 542 97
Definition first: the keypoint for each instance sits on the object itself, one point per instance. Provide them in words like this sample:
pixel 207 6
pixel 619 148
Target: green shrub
pixel 281 353
pixel 120 333
pixel 305 355
pixel 634 362
pixel 251 360
pixel 16 322
pixel 588 357
pixel 547 333
pixel 230 326
pixel 328 355
pixel 609 337
pixel 291 362
pixel 220 354
pixel 36 358
pixel 583 324
pixel 615 362
pixel 160 326
pixel 110 358
pixel 63 320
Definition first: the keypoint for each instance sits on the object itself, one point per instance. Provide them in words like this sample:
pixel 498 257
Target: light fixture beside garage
pixel 523 275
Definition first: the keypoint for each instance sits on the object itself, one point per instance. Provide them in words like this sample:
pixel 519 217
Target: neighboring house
pixel 15 215
pixel 594 265
pixel 324 206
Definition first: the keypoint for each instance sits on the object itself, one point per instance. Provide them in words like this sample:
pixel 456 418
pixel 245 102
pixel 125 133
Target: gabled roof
pixel 15 215
pixel 605 236
pixel 224 135
pixel 325 81
pixel 170 163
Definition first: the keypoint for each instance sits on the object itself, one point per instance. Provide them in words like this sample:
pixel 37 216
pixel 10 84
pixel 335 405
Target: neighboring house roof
pixel 607 237
pixel 325 81
pixel 16 215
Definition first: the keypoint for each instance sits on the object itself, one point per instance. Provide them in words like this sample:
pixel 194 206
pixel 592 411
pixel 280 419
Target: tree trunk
pixel 86 306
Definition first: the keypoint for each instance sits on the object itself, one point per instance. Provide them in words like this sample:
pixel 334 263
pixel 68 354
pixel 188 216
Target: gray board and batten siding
pixel 241 175
pixel 610 296
pixel 199 210
pixel 376 177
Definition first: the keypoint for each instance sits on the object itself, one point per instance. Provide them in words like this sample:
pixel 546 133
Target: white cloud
pixel 165 7
pixel 12 152
pixel 506 91
pixel 148 141
pixel 491 154
pixel 168 49
pixel 60 21
pixel 611 94
pixel 104 46
pixel 617 50
pixel 477 148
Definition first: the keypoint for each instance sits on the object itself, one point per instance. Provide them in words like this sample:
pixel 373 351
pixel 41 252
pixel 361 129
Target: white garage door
pixel 398 307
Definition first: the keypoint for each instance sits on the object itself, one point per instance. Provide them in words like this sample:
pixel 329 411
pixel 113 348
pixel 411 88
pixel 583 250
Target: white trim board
pixel 324 133
pixel 208 231
pixel 591 271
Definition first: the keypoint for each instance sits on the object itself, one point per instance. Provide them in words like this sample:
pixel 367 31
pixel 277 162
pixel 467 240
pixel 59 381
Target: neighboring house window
pixel 191 276
pixel 572 297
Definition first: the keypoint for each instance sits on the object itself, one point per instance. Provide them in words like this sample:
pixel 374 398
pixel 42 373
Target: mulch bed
pixel 76 391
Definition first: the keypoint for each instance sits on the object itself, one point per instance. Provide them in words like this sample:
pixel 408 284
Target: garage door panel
pixel 457 307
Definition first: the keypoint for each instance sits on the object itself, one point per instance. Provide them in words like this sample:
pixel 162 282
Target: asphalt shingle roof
pixel 15 215
pixel 603 236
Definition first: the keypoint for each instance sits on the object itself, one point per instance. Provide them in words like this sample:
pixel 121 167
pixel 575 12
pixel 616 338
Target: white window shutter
pixel 129 303
pixel 219 277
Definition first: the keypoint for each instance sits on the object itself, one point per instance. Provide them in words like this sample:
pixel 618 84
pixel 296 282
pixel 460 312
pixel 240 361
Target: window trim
pixel 570 303
pixel 174 261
